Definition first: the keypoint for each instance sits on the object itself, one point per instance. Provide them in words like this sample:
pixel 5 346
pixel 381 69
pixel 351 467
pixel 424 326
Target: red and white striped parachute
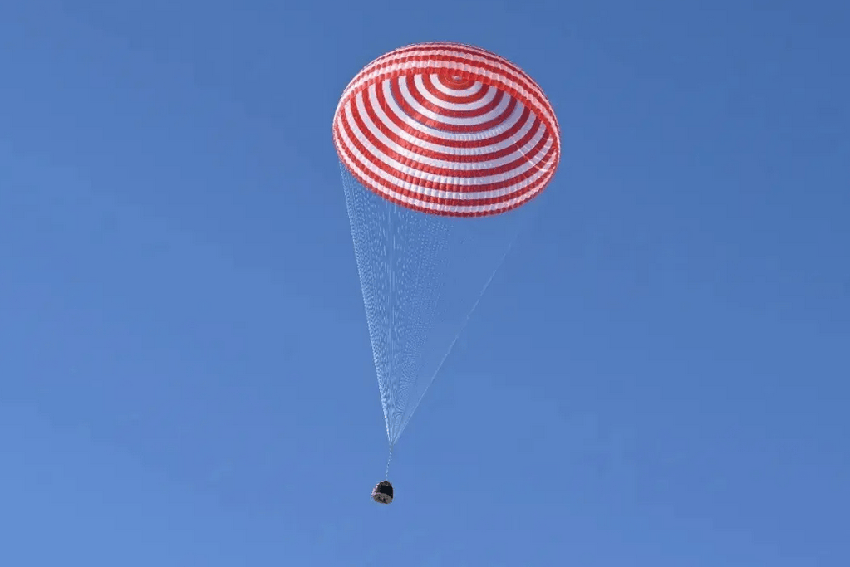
pixel 437 142
pixel 447 129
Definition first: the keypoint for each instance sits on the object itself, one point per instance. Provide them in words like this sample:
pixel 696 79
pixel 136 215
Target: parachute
pixel 442 148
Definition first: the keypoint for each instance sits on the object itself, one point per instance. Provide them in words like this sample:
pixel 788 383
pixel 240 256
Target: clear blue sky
pixel 658 377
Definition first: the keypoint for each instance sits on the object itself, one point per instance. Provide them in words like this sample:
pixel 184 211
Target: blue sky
pixel 657 377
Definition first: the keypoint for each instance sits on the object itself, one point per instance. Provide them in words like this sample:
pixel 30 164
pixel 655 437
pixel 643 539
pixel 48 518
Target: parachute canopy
pixel 447 129
pixel 441 146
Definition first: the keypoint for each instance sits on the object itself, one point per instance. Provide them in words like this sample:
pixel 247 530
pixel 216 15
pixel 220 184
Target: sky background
pixel 658 376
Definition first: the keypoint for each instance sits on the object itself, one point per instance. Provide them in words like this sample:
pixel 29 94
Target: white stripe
pixel 442 118
pixel 427 130
pixel 408 66
pixel 437 81
pixel 462 181
pixel 442 180
pixel 461 209
pixel 387 124
pixel 423 91
pixel 502 65
pixel 510 77
pixel 514 72
pixel 449 164
pixel 413 67
pixel 436 49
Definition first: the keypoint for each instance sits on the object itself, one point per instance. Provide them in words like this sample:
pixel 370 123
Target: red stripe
pixel 454 128
pixel 377 183
pixel 427 104
pixel 455 82
pixel 421 209
pixel 513 72
pixel 433 170
pixel 413 163
pixel 428 184
pixel 379 186
pixel 399 121
pixel 476 68
pixel 369 169
pixel 432 52
pixel 451 98
pixel 421 151
pixel 434 48
pixel 487 80
pixel 457 214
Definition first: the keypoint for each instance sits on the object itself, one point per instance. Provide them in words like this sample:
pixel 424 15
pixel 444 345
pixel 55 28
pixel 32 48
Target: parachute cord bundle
pixel 401 261
pixel 422 277
pixel 390 458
